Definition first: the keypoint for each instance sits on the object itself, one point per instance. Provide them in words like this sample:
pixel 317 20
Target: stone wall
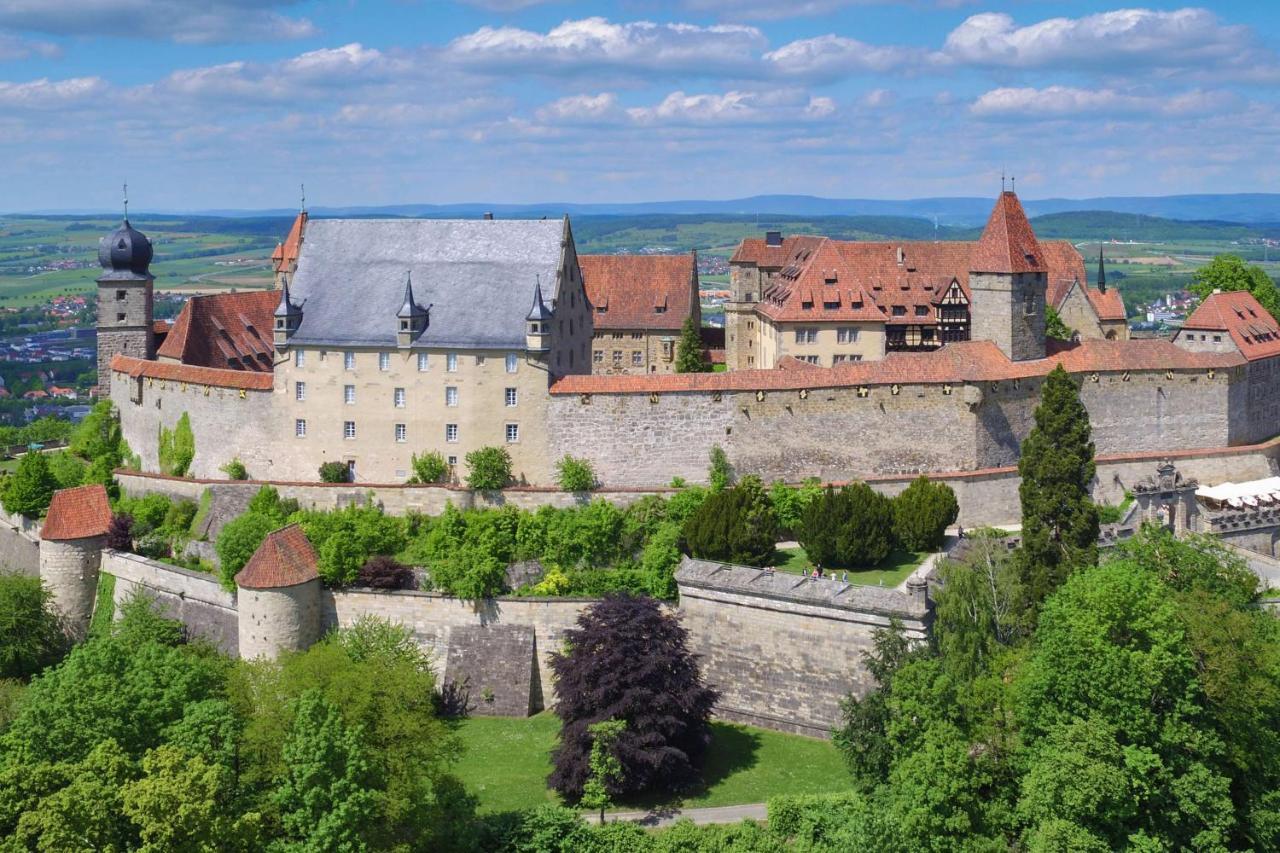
pixel 19 544
pixel 197 600
pixel 783 650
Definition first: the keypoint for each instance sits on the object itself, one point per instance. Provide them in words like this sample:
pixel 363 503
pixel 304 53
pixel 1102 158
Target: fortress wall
pixel 1255 406
pixel 1003 419
pixel 19 544
pixel 1153 411
pixel 195 599
pixel 225 424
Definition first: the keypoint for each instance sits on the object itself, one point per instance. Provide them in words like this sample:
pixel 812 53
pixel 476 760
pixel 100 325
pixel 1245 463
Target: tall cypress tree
pixel 689 349
pixel 1059 518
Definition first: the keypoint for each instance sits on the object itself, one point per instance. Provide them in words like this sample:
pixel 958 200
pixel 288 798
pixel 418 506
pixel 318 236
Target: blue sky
pixel 233 103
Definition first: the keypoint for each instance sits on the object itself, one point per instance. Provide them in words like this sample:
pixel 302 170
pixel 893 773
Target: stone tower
pixel 124 299
pixel 1008 280
pixel 278 596
pixel 71 544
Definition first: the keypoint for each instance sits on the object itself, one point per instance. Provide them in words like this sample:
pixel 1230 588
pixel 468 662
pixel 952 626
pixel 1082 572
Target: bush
pixel 66 469
pixel 430 467
pixel 346 538
pixel 239 538
pixel 488 469
pixel 382 572
pixel 29 489
pixel 736 525
pixel 921 514
pixel 334 472
pixel 790 502
pixel 153 545
pixel 178 518
pixel 852 527
pixel 120 532
pixel 177 447
pixel 30 636
pixel 720 475
pixel 149 511
pixel 235 470
pixel 575 475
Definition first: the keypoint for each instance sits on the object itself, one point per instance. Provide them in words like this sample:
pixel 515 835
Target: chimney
pixel 773 238
pixel 488 215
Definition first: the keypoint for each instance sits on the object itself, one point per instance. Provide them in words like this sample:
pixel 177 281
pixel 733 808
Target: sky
pixel 203 104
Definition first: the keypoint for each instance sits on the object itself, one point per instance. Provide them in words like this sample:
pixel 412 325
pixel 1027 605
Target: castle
pixel 386 338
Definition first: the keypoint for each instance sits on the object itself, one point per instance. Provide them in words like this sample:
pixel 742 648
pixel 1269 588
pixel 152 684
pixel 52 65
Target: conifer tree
pixel 1059 518
pixel 689 349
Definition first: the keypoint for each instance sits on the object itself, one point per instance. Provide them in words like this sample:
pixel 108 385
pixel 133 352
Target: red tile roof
pixel 225 330
pixel 967 361
pixel 1107 305
pixel 1008 244
pixel 1065 268
pixel 285 255
pixel 754 250
pixel 243 379
pixel 79 513
pixel 1239 313
pixel 627 291
pixel 285 558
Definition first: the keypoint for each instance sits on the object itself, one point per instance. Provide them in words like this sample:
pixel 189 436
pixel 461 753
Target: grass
pixel 104 609
pixel 893 571
pixel 506 763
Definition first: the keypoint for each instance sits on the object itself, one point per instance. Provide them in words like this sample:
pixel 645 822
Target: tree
pixel 1054 327
pixel 689 358
pixel 628 660
pixel 979 606
pixel 30 635
pixel 177 447
pixel 861 736
pixel 334 472
pixel 381 572
pixel 183 802
pixel 488 469
pixel 851 527
pixel 790 502
pixel 606 769
pixel 734 526
pixel 921 514
pixel 1059 518
pixel 430 467
pixel 1229 273
pixel 237 541
pixel 720 474
pixel 28 490
pixel 575 475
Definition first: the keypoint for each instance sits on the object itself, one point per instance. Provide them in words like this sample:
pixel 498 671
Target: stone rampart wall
pixel 19 544
pixel 197 600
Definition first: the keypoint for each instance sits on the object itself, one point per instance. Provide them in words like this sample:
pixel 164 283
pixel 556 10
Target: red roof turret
pixel 1008 244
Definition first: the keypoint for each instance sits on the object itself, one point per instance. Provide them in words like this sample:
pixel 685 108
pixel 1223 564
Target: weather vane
pixel 126 200
pixel 303 187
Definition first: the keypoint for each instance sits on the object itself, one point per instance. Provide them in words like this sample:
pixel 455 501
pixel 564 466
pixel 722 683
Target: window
pixel 513 362
pixel 423 361
pixel 512 397
pixel 1217 339
pixel 617 336
pixel 402 433
pixel 452 461
pixel 119 318
pixel 299 390
pixel 299 358
pixel 384 361
pixel 119 295
pixel 451 362
pixel 300 428
pixel 846 336
pixel 637 336
pixel 398 397
pixel 348 429
pixel 479 361
pixel 617 358
pixel 451 396
pixel 899 310
pixel 812 359
pixel 349 394
pixel 922 310
pixel 1029 306
pixel 451 434
pixel 597 356
pixel 637 358
pixel 513 433
pixel 806 336
pixel 750 297
pixel 667 350
pixel 348 361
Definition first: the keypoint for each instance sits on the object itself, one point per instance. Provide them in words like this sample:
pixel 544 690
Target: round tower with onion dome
pixel 71 543
pixel 278 596
pixel 125 299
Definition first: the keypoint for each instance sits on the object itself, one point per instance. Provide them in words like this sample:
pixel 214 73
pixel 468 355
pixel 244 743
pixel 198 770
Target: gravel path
pixel 667 816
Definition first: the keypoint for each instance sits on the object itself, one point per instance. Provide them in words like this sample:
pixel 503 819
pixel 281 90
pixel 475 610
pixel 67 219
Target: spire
pixel 410 308
pixel 1102 272
pixel 126 202
pixel 1008 244
pixel 539 311
pixel 286 306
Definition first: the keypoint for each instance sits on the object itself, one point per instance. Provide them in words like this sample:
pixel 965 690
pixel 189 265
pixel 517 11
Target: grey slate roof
pixel 475 274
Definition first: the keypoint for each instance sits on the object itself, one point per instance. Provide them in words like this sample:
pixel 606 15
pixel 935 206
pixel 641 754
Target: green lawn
pixel 893 571
pixel 506 763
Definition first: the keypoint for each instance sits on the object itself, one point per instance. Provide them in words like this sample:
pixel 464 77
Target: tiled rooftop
pixel 78 513
pixel 639 291
pixel 1238 313
pixel 285 558
pixel 224 330
pixel 166 370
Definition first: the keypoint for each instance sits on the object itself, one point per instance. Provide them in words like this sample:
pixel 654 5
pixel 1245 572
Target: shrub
pixel 790 502
pixel 66 469
pixel 239 538
pixel 921 514
pixel 120 532
pixel 178 518
pixel 488 468
pixel 851 527
pixel 575 475
pixel 149 511
pixel 720 474
pixel 334 472
pixel 177 447
pixel 153 545
pixel 736 525
pixel 235 470
pixel 430 467
pixel 30 487
pixel 30 636
pixel 381 572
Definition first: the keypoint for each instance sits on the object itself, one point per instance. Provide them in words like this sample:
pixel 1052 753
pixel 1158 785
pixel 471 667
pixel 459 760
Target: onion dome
pixel 126 253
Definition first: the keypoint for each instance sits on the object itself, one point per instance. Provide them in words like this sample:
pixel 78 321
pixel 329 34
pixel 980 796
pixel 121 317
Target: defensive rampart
pixel 19 543
pixel 196 600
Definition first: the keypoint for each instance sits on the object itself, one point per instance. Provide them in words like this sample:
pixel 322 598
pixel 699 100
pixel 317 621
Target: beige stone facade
pixel 633 351
pixel 823 344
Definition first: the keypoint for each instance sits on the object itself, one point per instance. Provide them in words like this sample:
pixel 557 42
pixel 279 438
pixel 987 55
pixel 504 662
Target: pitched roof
pixel 1008 243
pixel 964 361
pixel 79 513
pixel 477 276
pixel 639 291
pixel 1108 304
pixel 229 331
pixel 1065 267
pixel 1238 313
pixel 285 558
pixel 212 376
pixel 286 253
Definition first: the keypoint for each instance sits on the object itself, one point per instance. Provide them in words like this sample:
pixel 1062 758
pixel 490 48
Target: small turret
pixel 288 316
pixel 412 318
pixel 537 334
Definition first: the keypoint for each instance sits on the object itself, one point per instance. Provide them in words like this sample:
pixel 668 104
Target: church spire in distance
pixel 1102 272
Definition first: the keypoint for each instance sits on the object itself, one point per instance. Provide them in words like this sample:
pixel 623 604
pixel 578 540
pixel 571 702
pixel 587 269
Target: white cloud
pixel 596 44
pixel 832 56
pixel 1068 102
pixel 44 94
pixel 579 109
pixel 12 47
pixel 183 21
pixel 735 107
pixel 780 9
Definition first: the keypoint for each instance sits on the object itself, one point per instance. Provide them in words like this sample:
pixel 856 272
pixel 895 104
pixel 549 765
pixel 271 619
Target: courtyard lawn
pixel 506 763
pixel 893 571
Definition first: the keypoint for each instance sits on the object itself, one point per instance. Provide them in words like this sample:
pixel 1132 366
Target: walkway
pixel 665 816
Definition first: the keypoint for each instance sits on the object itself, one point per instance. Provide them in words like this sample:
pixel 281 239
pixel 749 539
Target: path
pixel 665 816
